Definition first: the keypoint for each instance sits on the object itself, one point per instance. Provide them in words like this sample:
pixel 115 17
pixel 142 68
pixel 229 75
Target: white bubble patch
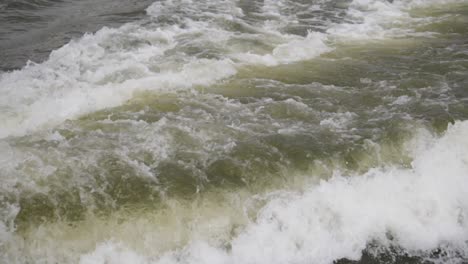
pixel 105 69
pixel 418 209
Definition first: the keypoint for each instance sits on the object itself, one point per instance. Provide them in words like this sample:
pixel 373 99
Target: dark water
pixel 30 30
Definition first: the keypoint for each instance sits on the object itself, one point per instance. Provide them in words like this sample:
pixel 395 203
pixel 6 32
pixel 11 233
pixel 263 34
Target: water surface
pixel 226 131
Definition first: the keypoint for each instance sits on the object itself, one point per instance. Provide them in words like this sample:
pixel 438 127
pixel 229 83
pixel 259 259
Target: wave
pixel 417 210
pixel 180 45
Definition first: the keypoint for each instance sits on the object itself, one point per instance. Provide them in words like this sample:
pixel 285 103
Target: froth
pixel 296 49
pixel 105 69
pixel 99 71
pixel 416 209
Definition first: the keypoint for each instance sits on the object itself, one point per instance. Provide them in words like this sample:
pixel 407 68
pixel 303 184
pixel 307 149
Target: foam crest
pixel 99 71
pixel 377 19
pixel 189 43
pixel 296 49
pixel 113 253
pixel 416 209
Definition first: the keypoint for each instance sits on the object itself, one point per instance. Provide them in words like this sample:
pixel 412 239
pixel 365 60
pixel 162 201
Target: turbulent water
pixel 234 131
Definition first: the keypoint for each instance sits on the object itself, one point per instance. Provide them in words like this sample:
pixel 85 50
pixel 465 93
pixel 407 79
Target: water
pixel 274 131
pixel 32 29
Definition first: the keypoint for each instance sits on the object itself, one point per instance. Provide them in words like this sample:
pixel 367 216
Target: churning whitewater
pixel 234 131
pixel 418 209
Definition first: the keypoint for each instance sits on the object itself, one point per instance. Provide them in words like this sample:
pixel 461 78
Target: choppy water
pixel 232 131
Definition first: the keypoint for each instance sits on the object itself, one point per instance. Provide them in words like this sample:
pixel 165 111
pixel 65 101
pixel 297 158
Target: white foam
pixel 296 49
pixel 98 72
pixel 338 121
pixel 105 69
pixel 401 100
pixel 377 19
pixel 112 253
pixel 418 209
pixel 373 19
